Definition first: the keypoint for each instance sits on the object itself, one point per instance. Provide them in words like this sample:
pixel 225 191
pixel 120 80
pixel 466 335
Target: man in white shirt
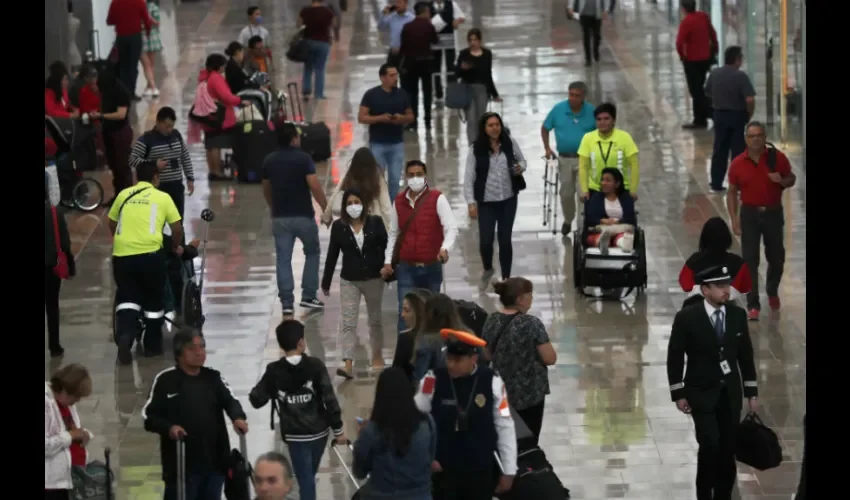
pixel 254 28
pixel 421 234
pixel 446 17
pixel 470 408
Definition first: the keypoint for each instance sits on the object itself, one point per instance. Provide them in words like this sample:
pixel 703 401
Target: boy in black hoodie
pixel 299 386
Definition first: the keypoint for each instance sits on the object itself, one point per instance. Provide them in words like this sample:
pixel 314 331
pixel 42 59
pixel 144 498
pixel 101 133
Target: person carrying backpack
pixel 301 394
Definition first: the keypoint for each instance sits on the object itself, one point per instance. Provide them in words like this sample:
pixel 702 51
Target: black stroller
pixel 74 145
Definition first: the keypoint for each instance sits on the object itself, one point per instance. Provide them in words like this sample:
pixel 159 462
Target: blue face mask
pixel 258 19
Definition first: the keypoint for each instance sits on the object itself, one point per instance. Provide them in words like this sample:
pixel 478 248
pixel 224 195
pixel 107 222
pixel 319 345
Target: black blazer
pixel 357 265
pixel 236 78
pixel 693 335
pixel 594 210
pixel 50 239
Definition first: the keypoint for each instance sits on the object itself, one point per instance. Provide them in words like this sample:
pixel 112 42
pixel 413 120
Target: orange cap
pixel 465 337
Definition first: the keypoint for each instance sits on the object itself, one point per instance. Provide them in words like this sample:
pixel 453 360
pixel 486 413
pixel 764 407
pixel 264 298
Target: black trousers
pixel 51 307
pixel 451 57
pixel 533 418
pixel 757 224
pixel 394 60
pixel 716 430
pixel 129 52
pixel 501 215
pixel 140 281
pixel 728 138
pixel 456 484
pixel 414 74
pixel 57 494
pixel 801 487
pixel 117 146
pixel 591 31
pixel 177 191
pixel 695 74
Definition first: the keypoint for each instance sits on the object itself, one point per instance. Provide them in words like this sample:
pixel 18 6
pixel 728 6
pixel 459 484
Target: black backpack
pixel 472 315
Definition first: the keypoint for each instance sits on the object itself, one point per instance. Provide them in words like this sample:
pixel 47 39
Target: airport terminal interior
pixel 610 429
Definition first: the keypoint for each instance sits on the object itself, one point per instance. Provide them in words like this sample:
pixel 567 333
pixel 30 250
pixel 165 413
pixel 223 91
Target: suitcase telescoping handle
pixel 181 469
pixel 292 87
pixel 335 447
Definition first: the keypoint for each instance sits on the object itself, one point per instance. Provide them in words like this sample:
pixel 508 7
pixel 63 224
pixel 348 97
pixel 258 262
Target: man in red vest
pixel 422 232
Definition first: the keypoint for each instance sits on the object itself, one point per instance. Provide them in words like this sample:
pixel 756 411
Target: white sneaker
pixel 155 92
pixel 147 93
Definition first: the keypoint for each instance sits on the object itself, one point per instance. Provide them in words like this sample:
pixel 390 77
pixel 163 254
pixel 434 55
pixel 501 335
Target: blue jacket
pixel 594 210
pixel 392 477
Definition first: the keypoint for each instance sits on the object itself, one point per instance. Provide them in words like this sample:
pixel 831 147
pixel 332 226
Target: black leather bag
pixel 535 479
pixel 758 446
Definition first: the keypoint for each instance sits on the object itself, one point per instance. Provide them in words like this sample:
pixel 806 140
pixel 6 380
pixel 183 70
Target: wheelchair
pixel 191 308
pixel 618 269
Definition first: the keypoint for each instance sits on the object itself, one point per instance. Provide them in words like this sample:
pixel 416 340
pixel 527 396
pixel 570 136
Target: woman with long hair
pixel 494 169
pixel 609 214
pixel 440 312
pixel 151 46
pixel 521 351
pixel 57 104
pixel 115 100
pixel 475 68
pixel 715 241
pixel 397 445
pixel 413 314
pixel 364 174
pixel 65 439
pixel 362 240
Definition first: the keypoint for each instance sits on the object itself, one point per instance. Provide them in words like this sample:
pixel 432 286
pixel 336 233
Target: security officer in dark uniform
pixel 136 219
pixel 714 336
pixel 470 407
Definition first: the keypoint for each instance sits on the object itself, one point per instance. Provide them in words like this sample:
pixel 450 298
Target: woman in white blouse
pixel 609 214
pixel 64 438
pixel 365 175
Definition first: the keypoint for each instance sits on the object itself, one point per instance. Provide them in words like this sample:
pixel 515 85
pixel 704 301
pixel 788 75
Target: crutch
pixel 334 447
pixel 181 469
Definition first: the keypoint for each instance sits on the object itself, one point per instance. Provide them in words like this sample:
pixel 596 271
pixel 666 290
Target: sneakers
pixel 288 311
pixel 753 314
pixel 312 304
pixel 774 303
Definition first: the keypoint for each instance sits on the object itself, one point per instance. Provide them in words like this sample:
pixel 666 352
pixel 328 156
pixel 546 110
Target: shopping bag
pixel 758 446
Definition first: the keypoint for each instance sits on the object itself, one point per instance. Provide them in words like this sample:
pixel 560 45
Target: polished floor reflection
pixel 610 428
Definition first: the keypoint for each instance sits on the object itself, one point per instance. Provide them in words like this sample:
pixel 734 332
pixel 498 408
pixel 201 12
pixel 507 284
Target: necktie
pixel 718 324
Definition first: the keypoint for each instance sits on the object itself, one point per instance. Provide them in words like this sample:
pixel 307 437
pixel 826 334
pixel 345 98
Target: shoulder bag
pixel 61 269
pixel 402 234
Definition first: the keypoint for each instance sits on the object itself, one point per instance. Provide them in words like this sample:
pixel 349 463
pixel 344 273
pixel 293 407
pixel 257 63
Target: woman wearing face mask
pixel 362 240
pixel 364 174
pixel 493 179
pixel 475 68
pixel 520 350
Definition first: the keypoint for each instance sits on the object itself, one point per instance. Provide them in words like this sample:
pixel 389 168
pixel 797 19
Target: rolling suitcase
pixel 237 482
pixel 94 481
pixel 354 481
pixel 315 137
pixel 252 141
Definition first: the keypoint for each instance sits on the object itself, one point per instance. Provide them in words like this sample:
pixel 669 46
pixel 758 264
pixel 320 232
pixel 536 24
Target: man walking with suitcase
pixel 714 336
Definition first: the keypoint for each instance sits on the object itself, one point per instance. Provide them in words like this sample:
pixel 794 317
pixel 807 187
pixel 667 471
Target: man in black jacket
pixel 299 387
pixel 186 402
pixel 714 336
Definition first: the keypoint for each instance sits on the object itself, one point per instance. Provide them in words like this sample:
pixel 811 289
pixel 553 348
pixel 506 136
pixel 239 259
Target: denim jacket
pixel 392 477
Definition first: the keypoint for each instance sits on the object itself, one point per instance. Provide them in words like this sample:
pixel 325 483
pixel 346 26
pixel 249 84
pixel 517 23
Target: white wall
pixel 100 8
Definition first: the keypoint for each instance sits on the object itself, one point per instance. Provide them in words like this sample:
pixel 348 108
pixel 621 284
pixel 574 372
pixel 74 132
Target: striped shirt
pixel 498 186
pixel 153 146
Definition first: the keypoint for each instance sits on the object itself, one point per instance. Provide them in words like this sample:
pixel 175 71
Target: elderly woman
pixel 64 438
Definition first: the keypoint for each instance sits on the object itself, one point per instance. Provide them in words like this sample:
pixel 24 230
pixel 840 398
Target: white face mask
pixel 354 211
pixel 416 184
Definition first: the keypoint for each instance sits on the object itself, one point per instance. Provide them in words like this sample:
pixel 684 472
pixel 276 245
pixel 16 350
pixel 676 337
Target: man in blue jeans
pixel 289 180
pixel 386 109
pixel 422 231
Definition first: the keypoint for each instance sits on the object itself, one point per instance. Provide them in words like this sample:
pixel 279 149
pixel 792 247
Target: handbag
pixel 757 445
pixel 61 269
pixel 213 120
pixel 400 239
pixel 458 95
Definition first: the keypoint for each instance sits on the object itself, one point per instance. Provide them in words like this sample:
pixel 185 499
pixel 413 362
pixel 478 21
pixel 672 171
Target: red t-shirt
pixel 317 23
pixel 78 453
pixel 89 99
pixel 752 181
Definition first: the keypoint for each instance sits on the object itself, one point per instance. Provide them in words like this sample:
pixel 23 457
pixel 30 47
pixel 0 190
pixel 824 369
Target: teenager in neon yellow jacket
pixel 607 146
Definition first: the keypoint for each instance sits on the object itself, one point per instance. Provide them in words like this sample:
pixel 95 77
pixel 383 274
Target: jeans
pixel 728 138
pixel 129 53
pixel 285 231
pixel 306 457
pixel 490 215
pixel 391 159
pixel 768 225
pixel 198 487
pixel 315 64
pixel 476 109
pixel 411 277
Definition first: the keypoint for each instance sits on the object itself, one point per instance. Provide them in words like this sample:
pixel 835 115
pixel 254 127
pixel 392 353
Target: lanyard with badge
pixel 605 155
pixel 724 365
pixel 462 422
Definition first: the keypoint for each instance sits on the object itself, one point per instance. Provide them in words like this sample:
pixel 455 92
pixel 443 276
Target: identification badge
pixel 480 400
pixel 724 367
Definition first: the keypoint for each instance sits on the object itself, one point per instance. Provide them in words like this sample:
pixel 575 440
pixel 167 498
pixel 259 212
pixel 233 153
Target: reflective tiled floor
pixel 610 429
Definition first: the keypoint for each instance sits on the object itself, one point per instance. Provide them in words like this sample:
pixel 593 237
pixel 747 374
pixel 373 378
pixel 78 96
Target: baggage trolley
pixel 335 447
